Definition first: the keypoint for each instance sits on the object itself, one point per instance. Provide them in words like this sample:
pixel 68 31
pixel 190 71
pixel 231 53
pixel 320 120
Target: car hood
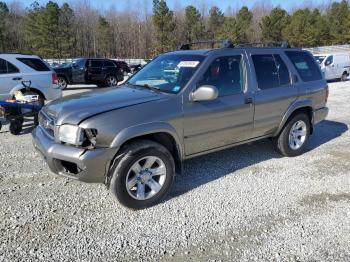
pixel 74 109
pixel 62 69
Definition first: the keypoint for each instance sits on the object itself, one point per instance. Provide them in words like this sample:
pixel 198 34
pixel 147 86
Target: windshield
pixel 320 58
pixel 168 73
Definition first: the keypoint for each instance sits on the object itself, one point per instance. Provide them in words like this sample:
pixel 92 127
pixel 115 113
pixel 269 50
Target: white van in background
pixel 334 66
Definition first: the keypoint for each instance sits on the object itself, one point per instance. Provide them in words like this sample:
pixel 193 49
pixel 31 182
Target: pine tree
pixel 338 16
pixel 300 31
pixel 43 29
pixel 273 24
pixel 4 11
pixel 104 37
pixel 229 30
pixel 164 23
pixel 244 20
pixel 194 26
pixel 215 22
pixel 66 33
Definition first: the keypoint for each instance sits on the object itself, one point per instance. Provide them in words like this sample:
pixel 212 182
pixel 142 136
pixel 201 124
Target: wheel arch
pixel 22 89
pixel 298 107
pixel 161 133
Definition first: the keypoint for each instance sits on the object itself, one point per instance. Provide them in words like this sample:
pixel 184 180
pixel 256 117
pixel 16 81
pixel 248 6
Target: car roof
pixel 17 55
pixel 218 50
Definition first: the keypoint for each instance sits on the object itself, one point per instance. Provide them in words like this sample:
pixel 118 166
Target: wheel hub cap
pixel 297 135
pixel 145 178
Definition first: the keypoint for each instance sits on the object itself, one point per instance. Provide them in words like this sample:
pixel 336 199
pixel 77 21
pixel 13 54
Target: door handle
pixel 17 78
pixel 248 100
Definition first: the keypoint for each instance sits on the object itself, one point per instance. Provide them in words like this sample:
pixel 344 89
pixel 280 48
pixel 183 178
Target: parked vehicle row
pixel 182 104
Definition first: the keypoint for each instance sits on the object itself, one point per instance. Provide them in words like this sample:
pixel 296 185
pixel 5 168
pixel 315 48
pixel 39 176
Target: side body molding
pixel 296 105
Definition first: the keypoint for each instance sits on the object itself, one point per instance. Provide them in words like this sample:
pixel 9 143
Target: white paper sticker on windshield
pixel 188 64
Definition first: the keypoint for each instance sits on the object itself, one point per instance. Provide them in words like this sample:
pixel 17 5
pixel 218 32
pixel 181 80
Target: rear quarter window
pixel 35 64
pixel 306 65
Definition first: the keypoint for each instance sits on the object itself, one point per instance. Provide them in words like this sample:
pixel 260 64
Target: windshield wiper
pixel 153 88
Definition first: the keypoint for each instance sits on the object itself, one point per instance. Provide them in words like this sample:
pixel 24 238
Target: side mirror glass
pixel 205 93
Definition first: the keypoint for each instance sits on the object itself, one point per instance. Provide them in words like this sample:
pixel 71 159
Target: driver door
pixel 226 120
pixel 79 71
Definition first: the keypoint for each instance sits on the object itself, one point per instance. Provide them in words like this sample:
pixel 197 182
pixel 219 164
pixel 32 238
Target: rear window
pixel 305 65
pixel 7 67
pixel 35 64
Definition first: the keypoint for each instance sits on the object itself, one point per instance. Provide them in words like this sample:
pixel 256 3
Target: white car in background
pixel 18 68
pixel 334 66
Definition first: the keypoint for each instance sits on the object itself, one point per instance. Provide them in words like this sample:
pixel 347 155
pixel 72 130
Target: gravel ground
pixel 243 204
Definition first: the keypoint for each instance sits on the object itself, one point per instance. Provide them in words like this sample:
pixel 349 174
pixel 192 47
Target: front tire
pixel 293 139
pixel 142 175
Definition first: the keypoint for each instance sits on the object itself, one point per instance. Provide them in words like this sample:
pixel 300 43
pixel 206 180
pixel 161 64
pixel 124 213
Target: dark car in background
pixel 100 72
pixel 124 67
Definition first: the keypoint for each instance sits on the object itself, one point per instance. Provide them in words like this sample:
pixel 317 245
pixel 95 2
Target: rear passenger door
pixel 95 70
pixel 10 77
pixel 274 90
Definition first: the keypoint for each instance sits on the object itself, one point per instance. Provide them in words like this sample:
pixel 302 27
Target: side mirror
pixel 205 93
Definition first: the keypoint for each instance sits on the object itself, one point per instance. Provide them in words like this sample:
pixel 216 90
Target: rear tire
pixel 344 76
pixel 111 81
pixel 62 82
pixel 142 188
pixel 293 139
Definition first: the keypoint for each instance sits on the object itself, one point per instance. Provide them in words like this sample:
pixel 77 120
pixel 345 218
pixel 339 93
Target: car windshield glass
pixel 320 58
pixel 167 73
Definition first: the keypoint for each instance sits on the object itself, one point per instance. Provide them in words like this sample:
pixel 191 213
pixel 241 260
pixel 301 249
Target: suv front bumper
pixel 89 166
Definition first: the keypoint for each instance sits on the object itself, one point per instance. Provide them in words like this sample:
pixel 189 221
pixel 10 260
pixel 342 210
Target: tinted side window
pixel 80 63
pixel 3 66
pixel 35 64
pixel 329 60
pixel 266 71
pixel 108 64
pixel 271 71
pixel 226 74
pixel 7 67
pixel 96 63
pixel 11 69
pixel 305 65
pixel 282 70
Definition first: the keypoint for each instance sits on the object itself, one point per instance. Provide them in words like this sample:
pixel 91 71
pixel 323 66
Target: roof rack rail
pixel 224 44
pixel 283 44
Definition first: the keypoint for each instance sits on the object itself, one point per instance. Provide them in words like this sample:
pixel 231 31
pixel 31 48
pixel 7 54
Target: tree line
pixel 64 31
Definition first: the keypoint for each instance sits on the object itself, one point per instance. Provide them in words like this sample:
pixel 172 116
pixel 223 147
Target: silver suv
pixel 18 68
pixel 183 104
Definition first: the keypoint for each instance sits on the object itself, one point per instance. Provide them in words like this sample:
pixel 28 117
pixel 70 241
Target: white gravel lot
pixel 242 204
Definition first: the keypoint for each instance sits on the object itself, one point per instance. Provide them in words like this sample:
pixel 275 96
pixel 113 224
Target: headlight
pixel 71 134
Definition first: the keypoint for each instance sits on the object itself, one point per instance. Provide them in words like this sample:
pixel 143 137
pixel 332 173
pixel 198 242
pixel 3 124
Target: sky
pixel 222 4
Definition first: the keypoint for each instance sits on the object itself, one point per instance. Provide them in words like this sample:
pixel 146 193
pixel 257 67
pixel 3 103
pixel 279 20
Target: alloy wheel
pixel 146 178
pixel 297 135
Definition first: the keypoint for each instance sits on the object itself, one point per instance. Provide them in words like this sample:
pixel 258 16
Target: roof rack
pixel 283 44
pixel 224 44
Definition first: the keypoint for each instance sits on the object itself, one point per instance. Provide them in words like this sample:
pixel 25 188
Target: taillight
pixel 54 79
pixel 327 93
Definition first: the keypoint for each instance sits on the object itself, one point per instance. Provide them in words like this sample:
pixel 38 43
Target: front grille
pixel 47 124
